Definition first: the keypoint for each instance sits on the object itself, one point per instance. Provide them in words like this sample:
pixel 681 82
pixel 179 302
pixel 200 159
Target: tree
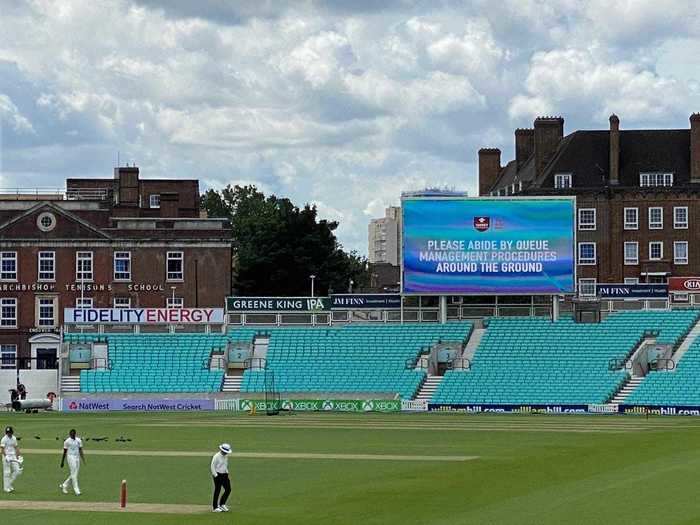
pixel 278 245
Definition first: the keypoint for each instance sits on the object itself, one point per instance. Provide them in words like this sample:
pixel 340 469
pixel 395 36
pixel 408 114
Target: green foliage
pixel 278 245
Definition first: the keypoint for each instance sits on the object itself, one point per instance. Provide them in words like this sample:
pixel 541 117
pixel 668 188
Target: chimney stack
pixel 695 148
pixel 614 150
pixel 524 145
pixel 548 133
pixel 489 167
pixel 128 185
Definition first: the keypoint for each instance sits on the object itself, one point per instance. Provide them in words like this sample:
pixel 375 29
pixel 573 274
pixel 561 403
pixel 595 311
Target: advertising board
pixel 277 304
pixel 143 315
pixel 503 246
pixel 135 405
pixel 365 301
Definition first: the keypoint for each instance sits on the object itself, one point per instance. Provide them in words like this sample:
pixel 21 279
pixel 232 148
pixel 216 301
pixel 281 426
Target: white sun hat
pixel 225 448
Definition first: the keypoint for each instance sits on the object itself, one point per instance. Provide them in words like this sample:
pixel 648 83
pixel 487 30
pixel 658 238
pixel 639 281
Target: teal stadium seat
pixel 534 361
pixel 353 358
pixel 155 362
pixel 679 387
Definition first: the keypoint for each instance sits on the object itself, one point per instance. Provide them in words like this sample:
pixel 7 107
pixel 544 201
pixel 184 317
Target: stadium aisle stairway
pixel 680 387
pixel 534 361
pixel 354 358
pixel 155 363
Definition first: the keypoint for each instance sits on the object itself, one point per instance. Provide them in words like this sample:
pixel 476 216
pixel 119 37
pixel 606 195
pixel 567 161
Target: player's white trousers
pixel 74 467
pixel 10 471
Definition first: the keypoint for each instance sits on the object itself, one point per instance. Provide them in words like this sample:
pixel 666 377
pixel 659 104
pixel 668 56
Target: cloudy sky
pixel 343 103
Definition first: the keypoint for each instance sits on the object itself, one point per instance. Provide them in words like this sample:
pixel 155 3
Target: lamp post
pixel 172 303
pixel 313 278
pixel 350 285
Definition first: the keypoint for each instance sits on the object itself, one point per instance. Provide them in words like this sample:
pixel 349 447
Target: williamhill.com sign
pixel 278 304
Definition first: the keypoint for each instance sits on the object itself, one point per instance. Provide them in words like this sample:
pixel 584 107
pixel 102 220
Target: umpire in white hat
pixel 219 470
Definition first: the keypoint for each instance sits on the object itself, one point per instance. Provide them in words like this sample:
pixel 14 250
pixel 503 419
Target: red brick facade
pixel 98 227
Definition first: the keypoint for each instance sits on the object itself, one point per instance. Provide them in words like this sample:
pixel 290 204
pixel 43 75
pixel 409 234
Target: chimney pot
pixel 489 168
pixel 548 133
pixel 695 148
pixel 614 166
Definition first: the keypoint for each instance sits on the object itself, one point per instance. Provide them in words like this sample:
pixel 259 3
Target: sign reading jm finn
pixel 277 304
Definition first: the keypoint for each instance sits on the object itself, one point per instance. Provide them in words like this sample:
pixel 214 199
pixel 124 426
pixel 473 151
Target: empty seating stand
pixel 679 387
pixel 353 358
pixel 155 363
pixel 534 361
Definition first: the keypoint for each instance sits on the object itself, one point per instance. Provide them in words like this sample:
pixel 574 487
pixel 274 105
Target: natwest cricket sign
pixel 463 246
pixel 143 315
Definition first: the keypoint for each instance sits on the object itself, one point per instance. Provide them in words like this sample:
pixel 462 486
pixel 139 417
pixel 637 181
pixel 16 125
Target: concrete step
pixel 687 342
pixel 626 390
pixel 428 388
pixel 232 384
pixel 70 384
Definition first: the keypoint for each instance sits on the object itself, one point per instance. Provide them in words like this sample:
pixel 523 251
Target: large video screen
pixel 500 246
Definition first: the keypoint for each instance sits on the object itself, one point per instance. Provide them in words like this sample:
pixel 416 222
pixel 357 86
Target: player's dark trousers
pixel 221 481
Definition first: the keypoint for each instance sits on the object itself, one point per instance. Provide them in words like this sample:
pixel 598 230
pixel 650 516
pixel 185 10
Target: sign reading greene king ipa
pixel 278 304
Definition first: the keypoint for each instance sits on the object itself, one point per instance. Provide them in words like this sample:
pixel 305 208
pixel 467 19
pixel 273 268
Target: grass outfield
pixel 370 468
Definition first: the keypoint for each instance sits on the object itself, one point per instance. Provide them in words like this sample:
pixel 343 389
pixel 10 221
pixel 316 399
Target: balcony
pixel 55 194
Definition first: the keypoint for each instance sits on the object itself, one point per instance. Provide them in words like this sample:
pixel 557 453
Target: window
pixel 8 312
pixel 46 221
pixel 587 287
pixel 586 253
pixel 175 265
pixel 84 302
pixel 631 280
pixel 656 179
pixel 586 219
pixel 8 266
pixel 680 252
pixel 680 217
pixel 8 356
pixel 46 311
pixel 122 302
pixel 83 266
pixel 656 218
pixel 47 266
pixel 656 250
pixel 562 180
pixel 154 201
pixel 175 302
pixel 631 218
pixel 122 266
pixel 631 253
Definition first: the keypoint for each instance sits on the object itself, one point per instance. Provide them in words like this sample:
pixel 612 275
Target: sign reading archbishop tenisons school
pixel 277 304
pixel 78 287
pixel 143 315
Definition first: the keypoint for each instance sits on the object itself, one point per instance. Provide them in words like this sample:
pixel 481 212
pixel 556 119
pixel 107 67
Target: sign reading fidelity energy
pixel 143 315
pixel 462 246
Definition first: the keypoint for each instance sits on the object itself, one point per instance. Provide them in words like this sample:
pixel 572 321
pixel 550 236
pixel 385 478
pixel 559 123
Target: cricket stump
pixel 122 495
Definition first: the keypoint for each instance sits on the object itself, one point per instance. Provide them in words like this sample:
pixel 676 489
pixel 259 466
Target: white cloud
pixel 344 104
pixel 574 78
pixel 11 114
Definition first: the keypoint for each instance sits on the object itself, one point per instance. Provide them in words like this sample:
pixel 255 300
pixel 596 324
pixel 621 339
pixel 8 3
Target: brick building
pixel 637 193
pixel 104 243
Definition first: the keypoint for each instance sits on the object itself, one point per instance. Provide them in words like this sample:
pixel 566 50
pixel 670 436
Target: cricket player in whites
pixel 11 460
pixel 73 451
